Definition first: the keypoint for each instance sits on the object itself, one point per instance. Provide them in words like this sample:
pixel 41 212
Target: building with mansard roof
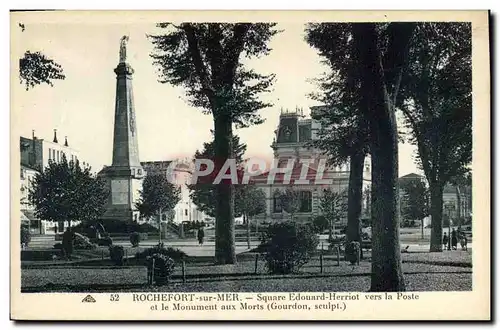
pixel 291 144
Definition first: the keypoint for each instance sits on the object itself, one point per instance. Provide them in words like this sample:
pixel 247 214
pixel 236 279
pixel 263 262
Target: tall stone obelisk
pixel 124 176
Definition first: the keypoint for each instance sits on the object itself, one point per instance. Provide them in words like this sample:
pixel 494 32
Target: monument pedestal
pixel 124 185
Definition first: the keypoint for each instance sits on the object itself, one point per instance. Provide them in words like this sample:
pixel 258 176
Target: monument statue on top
pixel 123 49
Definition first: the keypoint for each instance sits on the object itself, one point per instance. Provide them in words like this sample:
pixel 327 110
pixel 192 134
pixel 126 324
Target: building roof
pixel 162 165
pixel 29 167
pixel 293 128
pixel 412 176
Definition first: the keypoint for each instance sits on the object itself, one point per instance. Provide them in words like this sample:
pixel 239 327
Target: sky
pixel 81 107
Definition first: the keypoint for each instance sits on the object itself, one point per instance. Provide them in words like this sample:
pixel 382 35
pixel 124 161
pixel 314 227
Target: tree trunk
pixel 436 217
pixel 386 251
pixel 459 205
pixel 387 274
pixel 330 228
pixel 248 230
pixel 355 198
pixel 159 228
pixel 224 191
pixel 422 226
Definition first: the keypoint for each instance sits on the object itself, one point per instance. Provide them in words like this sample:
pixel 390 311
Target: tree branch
pixel 395 59
pixel 214 50
pixel 200 67
pixel 233 49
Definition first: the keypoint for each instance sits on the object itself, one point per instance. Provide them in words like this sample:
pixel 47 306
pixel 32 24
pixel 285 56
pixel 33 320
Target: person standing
pixel 454 239
pixel 201 235
pixel 445 241
pixel 67 242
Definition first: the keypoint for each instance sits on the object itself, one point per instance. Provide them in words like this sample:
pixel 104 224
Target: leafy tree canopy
pixel 157 195
pixel 35 68
pixel 416 199
pixel 250 200
pixel 437 99
pixel 204 58
pixel 343 129
pixel 65 191
pixel 333 205
pixel 203 194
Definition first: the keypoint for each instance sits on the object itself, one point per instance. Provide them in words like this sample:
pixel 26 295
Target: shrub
pixel 288 247
pixel 143 228
pixel 170 252
pixel 83 243
pixel 25 236
pixel 352 252
pixel 84 246
pixel 135 238
pixel 105 241
pixel 163 267
pixel 116 253
pixel 320 223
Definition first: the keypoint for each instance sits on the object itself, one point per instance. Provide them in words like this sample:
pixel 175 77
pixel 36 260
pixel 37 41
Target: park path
pixel 192 248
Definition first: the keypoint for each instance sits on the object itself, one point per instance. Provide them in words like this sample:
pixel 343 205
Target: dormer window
pixel 287 133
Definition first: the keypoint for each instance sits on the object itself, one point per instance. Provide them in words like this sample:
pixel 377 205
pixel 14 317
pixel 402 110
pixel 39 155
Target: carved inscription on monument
pixel 119 192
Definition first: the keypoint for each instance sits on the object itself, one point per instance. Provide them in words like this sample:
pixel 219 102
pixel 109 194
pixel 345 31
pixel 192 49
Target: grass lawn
pixel 457 257
pixel 420 273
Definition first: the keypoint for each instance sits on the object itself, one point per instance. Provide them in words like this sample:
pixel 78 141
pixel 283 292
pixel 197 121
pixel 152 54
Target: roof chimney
pixel 55 136
pixel 65 141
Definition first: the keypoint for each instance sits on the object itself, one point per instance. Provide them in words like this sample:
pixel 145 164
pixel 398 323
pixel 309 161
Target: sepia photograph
pixel 277 162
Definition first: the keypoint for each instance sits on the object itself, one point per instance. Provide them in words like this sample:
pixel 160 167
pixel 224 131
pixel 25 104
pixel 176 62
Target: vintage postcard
pixel 250 165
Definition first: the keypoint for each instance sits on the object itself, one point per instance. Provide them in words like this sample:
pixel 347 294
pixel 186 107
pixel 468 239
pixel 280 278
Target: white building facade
pixel 180 172
pixel 35 156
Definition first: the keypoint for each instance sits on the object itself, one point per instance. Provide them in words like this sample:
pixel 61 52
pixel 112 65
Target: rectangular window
pixel 305 201
pixel 186 212
pixel 277 208
pixel 50 154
